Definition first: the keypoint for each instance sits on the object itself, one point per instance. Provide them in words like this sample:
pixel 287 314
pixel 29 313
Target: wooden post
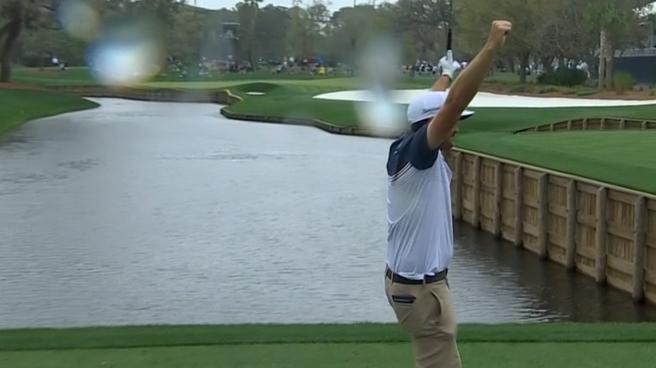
pixel 584 124
pixel 644 125
pixel 601 235
pixel 477 192
pixel 519 202
pixel 572 212
pixel 457 208
pixel 569 125
pixel 639 248
pixel 602 124
pixel 543 213
pixel 498 195
pixel 552 127
pixel 623 124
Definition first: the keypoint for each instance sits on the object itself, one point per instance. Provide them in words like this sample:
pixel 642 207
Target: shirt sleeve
pixel 420 154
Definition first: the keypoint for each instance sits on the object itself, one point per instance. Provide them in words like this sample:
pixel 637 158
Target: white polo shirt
pixel 420 225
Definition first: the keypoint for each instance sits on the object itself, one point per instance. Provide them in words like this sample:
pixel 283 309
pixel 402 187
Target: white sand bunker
pixel 484 99
pixel 255 93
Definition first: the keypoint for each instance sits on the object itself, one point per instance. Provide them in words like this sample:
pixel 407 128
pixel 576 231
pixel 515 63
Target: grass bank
pixel 369 345
pixel 22 105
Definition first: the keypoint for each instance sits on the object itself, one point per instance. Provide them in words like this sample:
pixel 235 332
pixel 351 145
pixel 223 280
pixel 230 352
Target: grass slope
pixel 20 105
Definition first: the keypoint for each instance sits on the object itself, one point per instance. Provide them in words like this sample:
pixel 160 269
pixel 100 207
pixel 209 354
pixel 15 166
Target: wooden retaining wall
pixel 600 230
pixel 594 124
pixel 152 94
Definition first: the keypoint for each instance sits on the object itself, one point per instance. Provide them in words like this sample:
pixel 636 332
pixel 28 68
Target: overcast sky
pixel 218 4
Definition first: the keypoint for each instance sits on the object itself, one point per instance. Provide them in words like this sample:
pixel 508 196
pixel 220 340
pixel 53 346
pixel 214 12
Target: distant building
pixel 640 62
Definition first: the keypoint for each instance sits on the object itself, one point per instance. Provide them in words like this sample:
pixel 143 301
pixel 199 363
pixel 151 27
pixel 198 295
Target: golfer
pixel 420 234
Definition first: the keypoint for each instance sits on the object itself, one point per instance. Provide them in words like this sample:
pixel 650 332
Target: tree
pixel 349 30
pixel 426 22
pixel 271 31
pixel 247 12
pixel 17 14
pixel 612 20
pixel 531 22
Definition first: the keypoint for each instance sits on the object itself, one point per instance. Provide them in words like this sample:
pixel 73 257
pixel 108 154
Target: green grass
pixel 370 345
pixel 378 355
pixel 19 106
pixel 53 76
pixel 618 157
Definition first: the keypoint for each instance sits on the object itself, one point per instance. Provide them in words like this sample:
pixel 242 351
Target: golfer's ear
pixel 439 129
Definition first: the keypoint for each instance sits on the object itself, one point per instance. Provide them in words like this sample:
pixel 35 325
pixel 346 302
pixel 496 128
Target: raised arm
pixel 466 86
pixel 448 69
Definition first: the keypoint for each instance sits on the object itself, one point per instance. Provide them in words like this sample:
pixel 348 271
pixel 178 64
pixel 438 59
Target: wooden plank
pixel 650 278
pixel 639 248
pixel 563 182
pixel 519 195
pixel 622 197
pixel 587 220
pixel 587 252
pixel 457 207
pixel 571 225
pixel 498 188
pixel 543 215
pixel 558 210
pixel 621 231
pixel 633 124
pixel 619 280
pixel 558 241
pixel 601 236
pixel 477 192
pixel 532 174
pixel 587 188
pixel 531 229
pixel 651 205
pixel 620 265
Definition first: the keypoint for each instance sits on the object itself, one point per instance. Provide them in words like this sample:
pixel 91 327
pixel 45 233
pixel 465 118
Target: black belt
pixel 427 279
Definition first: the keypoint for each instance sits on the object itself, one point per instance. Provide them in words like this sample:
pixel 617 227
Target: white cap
pixel 428 105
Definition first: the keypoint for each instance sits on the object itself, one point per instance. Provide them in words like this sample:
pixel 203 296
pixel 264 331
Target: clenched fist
pixel 500 29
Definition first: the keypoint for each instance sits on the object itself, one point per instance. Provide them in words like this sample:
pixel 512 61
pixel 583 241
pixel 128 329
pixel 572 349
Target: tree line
pixel 544 30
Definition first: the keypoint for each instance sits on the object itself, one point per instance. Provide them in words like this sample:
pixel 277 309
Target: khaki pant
pixel 426 312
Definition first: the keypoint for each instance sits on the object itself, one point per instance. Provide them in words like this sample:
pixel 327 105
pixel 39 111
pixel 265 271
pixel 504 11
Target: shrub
pixel 623 82
pixel 563 77
pixel 518 89
pixel 586 92
pixel 548 89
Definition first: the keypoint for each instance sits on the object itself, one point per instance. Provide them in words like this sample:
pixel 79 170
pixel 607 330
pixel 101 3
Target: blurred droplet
pixel 381 115
pixel 79 19
pixel 379 67
pixel 126 54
